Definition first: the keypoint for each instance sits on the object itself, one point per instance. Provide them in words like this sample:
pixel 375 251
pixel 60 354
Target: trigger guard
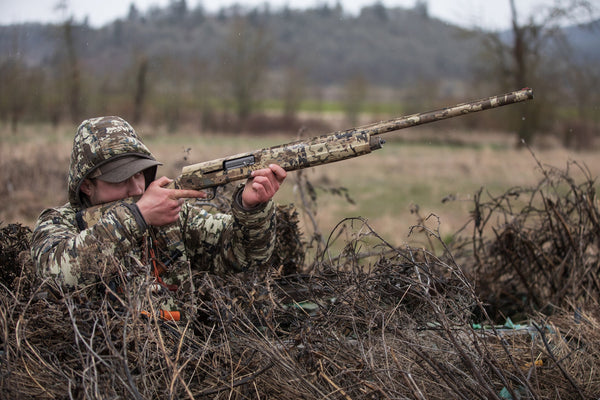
pixel 211 194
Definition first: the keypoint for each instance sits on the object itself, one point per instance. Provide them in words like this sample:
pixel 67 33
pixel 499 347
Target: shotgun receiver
pixel 336 146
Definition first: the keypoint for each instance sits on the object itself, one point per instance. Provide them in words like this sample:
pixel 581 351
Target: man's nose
pixel 134 187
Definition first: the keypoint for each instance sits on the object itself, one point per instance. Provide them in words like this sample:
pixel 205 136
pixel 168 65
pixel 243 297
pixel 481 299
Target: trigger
pixel 211 194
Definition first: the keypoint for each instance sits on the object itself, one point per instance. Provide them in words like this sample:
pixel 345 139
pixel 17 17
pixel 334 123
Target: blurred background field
pixel 430 170
pixel 268 69
pixel 200 84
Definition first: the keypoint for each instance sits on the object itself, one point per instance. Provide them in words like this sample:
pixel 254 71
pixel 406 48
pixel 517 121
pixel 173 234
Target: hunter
pixel 161 231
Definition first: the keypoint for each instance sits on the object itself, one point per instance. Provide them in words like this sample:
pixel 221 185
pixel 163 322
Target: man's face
pixel 104 192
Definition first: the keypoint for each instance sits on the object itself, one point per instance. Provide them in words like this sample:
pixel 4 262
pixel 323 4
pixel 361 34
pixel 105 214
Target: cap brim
pixel 123 169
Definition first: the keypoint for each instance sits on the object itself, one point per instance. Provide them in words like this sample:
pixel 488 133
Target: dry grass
pixel 418 169
pixel 371 320
pixel 401 329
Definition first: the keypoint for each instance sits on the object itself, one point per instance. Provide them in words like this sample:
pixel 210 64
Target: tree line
pixel 177 64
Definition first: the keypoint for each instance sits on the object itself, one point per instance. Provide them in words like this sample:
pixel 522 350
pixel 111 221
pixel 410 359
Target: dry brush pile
pixel 375 321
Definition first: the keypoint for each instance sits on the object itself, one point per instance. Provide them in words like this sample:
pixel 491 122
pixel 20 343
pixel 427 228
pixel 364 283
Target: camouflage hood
pixel 97 141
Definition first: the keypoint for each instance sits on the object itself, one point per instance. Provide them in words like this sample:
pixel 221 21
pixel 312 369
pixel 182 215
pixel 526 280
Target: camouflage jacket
pixel 119 243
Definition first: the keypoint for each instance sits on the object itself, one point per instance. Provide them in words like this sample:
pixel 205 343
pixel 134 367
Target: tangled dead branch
pixel 374 321
pixel 536 249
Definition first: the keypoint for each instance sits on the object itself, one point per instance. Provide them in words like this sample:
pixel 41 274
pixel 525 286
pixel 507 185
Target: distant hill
pixel 585 40
pixel 387 46
pixel 393 47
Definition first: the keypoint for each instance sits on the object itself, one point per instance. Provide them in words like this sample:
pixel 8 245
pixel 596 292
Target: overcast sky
pixel 488 14
pixel 482 13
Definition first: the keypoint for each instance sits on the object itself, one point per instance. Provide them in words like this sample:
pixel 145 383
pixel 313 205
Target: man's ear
pixel 86 187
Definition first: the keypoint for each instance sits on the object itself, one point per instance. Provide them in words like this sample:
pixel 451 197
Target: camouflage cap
pixel 119 169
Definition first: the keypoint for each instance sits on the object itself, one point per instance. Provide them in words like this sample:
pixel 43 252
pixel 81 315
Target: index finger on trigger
pixel 188 194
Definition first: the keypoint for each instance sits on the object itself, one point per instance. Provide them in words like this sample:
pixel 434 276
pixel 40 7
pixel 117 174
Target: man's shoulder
pixel 64 212
pixel 65 209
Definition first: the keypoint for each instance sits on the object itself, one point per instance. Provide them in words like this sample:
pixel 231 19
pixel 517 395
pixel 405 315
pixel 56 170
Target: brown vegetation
pixel 375 321
pixel 347 314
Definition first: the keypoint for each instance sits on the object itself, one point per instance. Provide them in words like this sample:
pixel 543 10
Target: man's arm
pixel 229 243
pixel 60 249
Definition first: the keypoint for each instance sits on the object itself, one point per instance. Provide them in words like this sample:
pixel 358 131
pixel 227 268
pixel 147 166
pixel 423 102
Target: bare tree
pixel 355 93
pixel 580 77
pixel 68 63
pixel 523 60
pixel 172 90
pixel 73 82
pixel 13 98
pixel 20 86
pixel 140 88
pixel 204 93
pixel 244 61
pixel 293 91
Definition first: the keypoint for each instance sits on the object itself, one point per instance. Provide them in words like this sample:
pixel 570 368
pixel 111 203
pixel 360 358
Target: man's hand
pixel 263 185
pixel 160 205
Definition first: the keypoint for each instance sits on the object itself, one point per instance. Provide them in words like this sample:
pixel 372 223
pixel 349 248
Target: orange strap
pixel 166 315
pixel 158 269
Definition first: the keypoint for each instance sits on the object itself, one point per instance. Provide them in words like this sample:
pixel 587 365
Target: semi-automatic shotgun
pixel 325 149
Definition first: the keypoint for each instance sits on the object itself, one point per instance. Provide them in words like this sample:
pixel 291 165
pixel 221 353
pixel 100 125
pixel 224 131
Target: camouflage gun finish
pixel 329 148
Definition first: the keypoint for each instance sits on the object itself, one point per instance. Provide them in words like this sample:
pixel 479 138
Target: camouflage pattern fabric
pixel 98 141
pixel 117 245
